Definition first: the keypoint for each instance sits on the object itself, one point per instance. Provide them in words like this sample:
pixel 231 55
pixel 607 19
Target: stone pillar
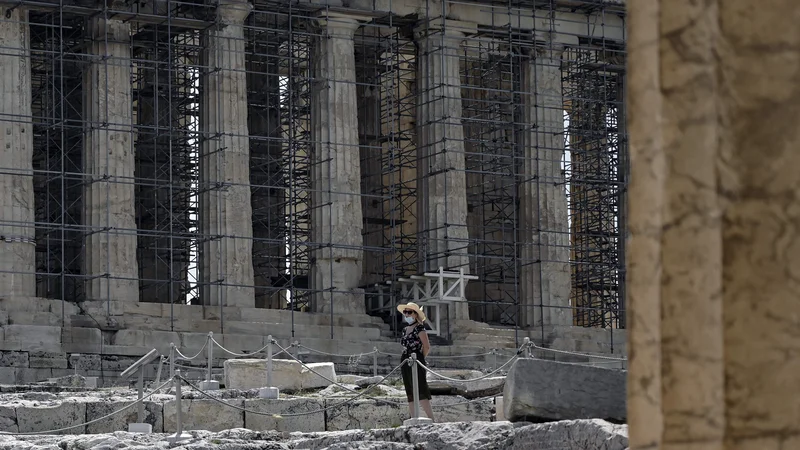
pixel 544 235
pixel 336 219
pixel 442 199
pixel 17 233
pixel 110 263
pixel 714 253
pixel 226 264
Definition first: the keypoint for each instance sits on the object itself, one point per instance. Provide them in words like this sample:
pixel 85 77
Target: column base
pixel 212 385
pixel 414 421
pixel 144 428
pixel 270 393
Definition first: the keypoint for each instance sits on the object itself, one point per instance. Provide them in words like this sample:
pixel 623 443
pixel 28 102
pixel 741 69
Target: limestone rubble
pixel 566 435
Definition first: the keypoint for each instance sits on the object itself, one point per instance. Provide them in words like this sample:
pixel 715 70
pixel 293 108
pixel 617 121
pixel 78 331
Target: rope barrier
pixel 240 408
pixel 589 355
pixel 186 358
pixel 72 427
pixel 337 354
pixel 241 355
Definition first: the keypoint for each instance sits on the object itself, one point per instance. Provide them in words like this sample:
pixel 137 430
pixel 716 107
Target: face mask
pixel 409 320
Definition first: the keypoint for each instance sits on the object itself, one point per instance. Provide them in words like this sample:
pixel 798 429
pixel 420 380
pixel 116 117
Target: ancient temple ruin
pixel 298 168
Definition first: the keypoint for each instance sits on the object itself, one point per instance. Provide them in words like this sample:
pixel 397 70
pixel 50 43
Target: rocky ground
pixel 564 435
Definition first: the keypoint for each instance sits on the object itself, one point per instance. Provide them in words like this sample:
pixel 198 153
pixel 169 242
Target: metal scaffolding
pixel 167 46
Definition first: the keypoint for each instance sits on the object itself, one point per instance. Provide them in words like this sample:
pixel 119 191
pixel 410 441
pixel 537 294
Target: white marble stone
pixel 287 375
pixel 226 261
pixel 17 259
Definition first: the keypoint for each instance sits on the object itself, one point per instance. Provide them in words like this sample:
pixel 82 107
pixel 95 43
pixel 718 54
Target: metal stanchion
pixel 494 358
pixel 269 391
pixel 209 384
pixel 172 360
pixel 179 435
pixel 294 350
pixel 375 361
pixel 140 389
pixel 158 371
pixel 415 419
pixel 527 344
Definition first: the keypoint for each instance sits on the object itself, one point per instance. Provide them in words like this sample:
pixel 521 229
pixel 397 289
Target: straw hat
pixel 414 307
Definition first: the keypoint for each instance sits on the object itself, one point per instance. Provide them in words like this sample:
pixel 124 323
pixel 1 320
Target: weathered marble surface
pixel 713 260
pixel 568 435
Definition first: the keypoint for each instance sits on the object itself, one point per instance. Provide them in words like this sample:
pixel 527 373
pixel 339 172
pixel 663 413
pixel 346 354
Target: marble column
pixel 110 263
pixel 442 199
pixel 226 262
pixel 714 253
pixel 545 280
pixel 336 218
pixel 17 234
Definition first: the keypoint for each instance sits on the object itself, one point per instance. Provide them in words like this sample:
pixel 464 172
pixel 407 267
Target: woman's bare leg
pixel 426 405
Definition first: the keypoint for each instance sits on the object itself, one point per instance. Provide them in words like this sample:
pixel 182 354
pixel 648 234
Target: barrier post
pixel 415 384
pixel 158 371
pixel 171 360
pixel 269 391
pixel 494 357
pixel 527 344
pixel 415 418
pixel 375 361
pixel 209 384
pixel 140 388
pixel 179 435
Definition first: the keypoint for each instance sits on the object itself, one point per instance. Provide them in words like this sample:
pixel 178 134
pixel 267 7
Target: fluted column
pixel 108 206
pixel 226 264
pixel 17 246
pixel 544 235
pixel 714 253
pixel 442 194
pixel 336 220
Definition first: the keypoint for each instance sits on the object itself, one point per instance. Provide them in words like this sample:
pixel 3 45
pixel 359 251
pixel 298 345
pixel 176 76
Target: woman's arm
pixel 426 344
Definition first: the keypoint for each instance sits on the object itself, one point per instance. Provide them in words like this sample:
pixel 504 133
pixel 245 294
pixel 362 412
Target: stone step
pixel 139 322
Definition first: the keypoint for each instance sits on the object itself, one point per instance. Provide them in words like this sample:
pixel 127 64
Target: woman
pixel 415 342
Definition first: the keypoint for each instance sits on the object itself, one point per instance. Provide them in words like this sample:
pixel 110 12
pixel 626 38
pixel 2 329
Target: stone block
pixel 153 415
pixel 571 435
pixel 82 362
pixel 460 411
pixel 240 343
pixel 150 339
pixel 8 375
pixel 204 414
pixel 188 312
pixel 192 342
pixel 27 376
pixel 287 375
pixel 8 419
pixel 82 335
pixel 47 360
pixel 34 318
pixel 306 423
pixel 116 363
pixel 365 414
pixel 143 308
pixel 231 313
pixel 13 359
pixel 38 417
pixel 3 318
pixel 31 335
pixel 48 363
pixel 537 389
pixel 472 389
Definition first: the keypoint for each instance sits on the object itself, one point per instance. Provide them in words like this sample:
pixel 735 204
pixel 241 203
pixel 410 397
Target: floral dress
pixel 412 344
